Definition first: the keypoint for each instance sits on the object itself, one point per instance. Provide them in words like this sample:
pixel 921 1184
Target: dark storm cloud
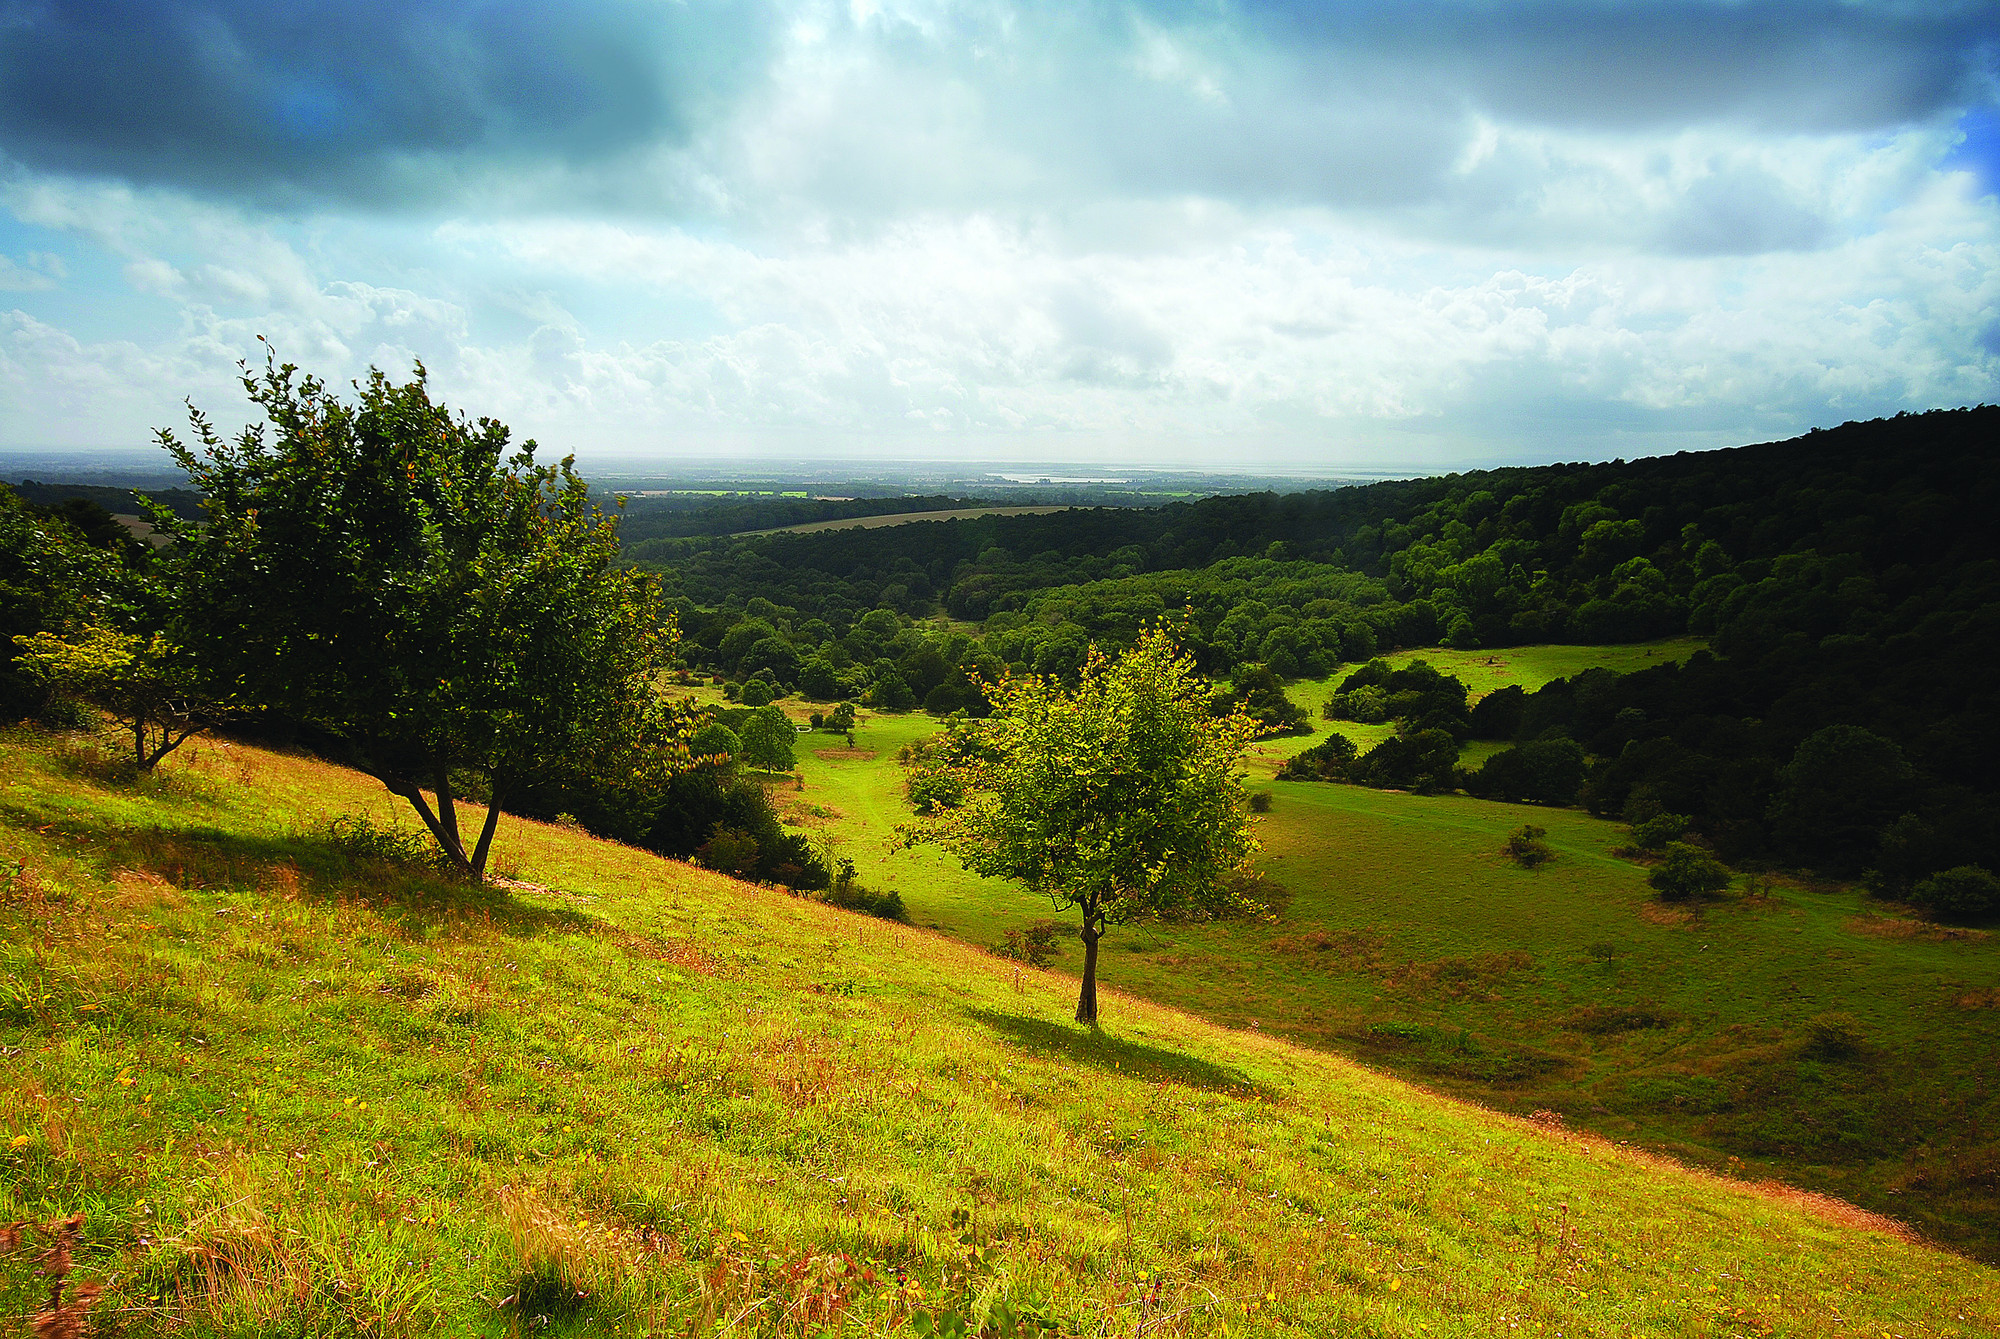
pixel 270 96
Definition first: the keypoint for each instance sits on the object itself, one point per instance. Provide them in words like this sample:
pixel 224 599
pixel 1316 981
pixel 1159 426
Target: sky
pixel 1264 234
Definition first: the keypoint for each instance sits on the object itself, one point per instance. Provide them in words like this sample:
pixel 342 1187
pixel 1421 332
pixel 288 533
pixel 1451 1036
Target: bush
pixel 1528 849
pixel 1967 895
pixel 849 894
pixel 840 720
pixel 756 693
pixel 729 851
pixel 1545 771
pixel 1327 760
pixel 931 791
pixel 1655 833
pixel 1035 945
pixel 1260 801
pixel 1834 1036
pixel 1687 873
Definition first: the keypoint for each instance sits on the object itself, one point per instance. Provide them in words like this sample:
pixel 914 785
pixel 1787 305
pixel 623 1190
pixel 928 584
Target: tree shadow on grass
pixel 310 866
pixel 1117 1055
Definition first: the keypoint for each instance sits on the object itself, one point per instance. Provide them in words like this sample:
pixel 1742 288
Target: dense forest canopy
pixel 1847 579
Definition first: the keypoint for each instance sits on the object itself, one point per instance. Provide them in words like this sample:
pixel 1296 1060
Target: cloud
pixel 737 108
pixel 1162 228
pixel 385 101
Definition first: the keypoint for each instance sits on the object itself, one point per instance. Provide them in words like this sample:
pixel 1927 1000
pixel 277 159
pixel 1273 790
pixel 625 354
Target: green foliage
pixel 840 720
pixel 1844 577
pixel 715 740
pixel 52 581
pixel 756 693
pixel 1328 760
pixel 1120 798
pixel 768 738
pixel 1257 694
pixel 1034 943
pixel 849 894
pixel 1543 771
pixel 1967 895
pixel 1688 873
pixel 1528 848
pixel 376 574
pixel 1656 832
pixel 148 687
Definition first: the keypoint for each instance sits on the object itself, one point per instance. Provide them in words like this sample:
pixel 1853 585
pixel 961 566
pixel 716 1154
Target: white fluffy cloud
pixel 1194 235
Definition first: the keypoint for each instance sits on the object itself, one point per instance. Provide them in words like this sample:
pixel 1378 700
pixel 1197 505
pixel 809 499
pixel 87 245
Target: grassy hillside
pixel 293 1087
pixel 1806 1033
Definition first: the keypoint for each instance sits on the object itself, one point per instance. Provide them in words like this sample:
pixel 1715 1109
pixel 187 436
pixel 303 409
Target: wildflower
pixel 18 1141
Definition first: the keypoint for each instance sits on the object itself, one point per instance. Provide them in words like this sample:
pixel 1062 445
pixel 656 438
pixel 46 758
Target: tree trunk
pixel 1086 996
pixel 494 794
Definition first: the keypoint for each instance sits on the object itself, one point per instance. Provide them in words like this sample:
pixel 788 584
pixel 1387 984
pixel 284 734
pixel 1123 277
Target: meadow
pixel 1802 1032
pixel 293 1082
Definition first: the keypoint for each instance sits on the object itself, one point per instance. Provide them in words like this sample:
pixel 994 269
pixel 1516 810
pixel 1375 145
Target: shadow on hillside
pixel 309 867
pixel 1115 1055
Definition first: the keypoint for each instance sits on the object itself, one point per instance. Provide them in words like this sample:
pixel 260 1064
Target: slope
pixel 295 1084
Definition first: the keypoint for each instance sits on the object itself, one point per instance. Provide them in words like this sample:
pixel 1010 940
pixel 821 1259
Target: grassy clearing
pixel 294 1089
pixel 1409 940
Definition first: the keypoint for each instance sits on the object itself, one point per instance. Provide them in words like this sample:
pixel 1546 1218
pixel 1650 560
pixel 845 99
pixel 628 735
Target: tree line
pixel 1845 578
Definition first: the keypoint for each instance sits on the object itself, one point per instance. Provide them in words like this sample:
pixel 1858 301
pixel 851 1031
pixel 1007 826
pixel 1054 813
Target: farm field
pixel 293 1086
pixel 1805 1033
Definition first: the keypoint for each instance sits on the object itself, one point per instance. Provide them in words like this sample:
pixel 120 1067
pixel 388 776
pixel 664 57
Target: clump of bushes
pixel 850 894
pixel 1327 760
pixel 1967 895
pixel 1260 802
pixel 1688 874
pixel 1656 832
pixel 1527 847
pixel 1035 945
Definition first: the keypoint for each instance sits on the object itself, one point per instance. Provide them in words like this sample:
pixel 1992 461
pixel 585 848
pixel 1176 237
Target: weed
pixel 1035 944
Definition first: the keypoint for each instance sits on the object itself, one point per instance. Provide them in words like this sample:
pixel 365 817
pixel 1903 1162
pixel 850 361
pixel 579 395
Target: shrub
pixel 1834 1036
pixel 728 851
pixel 1528 849
pixel 840 720
pixel 1656 832
pixel 756 693
pixel 930 791
pixel 1546 771
pixel 1327 760
pixel 1966 895
pixel 1687 873
pixel 1260 801
pixel 1035 945
pixel 849 894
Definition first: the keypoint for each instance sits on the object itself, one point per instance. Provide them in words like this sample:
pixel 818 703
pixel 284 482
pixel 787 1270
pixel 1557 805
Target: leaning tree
pixel 381 573
pixel 1121 798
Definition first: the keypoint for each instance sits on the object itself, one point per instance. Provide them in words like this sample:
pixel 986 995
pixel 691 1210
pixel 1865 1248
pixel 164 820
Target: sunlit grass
pixel 297 1091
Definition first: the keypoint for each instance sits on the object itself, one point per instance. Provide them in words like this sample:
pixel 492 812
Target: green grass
pixel 1532 666
pixel 1410 941
pixel 295 1090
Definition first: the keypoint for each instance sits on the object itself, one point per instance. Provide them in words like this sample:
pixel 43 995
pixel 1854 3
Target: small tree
pixel 383 574
pixel 1686 873
pixel 767 740
pixel 143 682
pixel 1119 798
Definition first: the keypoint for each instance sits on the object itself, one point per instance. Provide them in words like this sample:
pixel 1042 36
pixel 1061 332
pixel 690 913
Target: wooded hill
pixel 1847 578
